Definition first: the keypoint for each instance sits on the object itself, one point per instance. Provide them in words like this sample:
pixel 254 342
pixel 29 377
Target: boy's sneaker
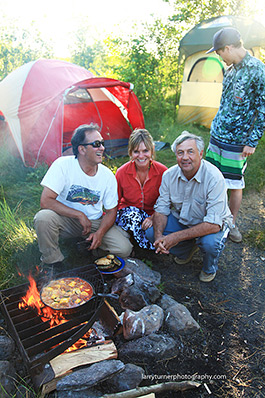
pixel 235 235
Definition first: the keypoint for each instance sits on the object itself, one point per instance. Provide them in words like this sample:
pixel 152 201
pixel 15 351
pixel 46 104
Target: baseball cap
pixel 224 37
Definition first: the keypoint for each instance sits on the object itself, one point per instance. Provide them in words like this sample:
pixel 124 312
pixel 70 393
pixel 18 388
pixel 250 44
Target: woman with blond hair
pixel 138 187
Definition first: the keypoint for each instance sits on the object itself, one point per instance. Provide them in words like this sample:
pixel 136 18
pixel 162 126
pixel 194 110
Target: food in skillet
pixel 66 293
pixel 108 262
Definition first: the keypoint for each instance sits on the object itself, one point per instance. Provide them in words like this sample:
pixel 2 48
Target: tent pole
pixel 178 88
pixel 48 131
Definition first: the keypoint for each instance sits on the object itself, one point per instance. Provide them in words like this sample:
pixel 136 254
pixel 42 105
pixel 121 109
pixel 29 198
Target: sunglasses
pixel 94 144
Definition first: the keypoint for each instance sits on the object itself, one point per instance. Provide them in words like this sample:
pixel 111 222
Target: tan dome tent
pixel 203 73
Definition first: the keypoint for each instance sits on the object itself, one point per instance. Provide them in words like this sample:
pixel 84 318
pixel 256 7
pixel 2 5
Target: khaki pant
pixel 50 226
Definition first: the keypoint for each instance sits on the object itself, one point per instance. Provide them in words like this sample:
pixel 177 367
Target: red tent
pixel 43 102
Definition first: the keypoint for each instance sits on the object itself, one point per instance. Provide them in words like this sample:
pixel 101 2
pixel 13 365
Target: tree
pixel 149 60
pixel 18 47
pixel 91 54
pixel 192 12
pixel 148 57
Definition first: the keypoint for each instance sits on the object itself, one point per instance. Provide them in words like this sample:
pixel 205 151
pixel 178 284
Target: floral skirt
pixel 130 219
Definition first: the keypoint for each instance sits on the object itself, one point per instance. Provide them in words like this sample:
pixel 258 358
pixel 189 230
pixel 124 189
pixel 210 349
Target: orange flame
pixel 32 299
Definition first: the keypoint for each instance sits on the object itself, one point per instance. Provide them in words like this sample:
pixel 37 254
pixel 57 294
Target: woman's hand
pixel 147 223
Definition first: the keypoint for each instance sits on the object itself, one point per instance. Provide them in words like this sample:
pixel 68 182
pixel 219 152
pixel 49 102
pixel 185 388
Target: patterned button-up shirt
pixel 241 115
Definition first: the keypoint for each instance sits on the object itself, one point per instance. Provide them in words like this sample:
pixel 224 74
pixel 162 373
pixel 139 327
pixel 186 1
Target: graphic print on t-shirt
pixel 82 195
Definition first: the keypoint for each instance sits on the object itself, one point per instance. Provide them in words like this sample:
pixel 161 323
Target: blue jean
pixel 210 245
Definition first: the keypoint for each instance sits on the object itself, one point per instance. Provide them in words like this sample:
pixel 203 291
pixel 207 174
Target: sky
pixel 59 18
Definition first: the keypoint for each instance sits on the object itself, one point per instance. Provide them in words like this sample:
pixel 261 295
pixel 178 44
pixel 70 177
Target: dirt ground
pixel 230 347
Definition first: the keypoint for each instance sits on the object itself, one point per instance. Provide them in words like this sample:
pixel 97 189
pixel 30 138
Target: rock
pixel 138 267
pixel 127 379
pixel 7 347
pixel 7 379
pixel 91 393
pixel 139 295
pixel 130 377
pixel 154 347
pixel 98 331
pixel 178 319
pixel 146 321
pixel 121 283
pixel 87 377
pixel 149 290
pixel 132 298
pixel 166 301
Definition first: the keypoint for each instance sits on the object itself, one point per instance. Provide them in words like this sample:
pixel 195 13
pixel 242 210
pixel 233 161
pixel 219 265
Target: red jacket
pixel 130 191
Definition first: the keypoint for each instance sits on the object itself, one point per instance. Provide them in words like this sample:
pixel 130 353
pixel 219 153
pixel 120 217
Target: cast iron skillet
pixel 85 307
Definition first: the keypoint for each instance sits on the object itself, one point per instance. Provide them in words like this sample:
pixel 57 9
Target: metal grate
pixel 37 341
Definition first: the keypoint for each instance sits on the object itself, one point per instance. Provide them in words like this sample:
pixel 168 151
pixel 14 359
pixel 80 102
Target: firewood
pixel 99 352
pixel 66 362
pixel 141 391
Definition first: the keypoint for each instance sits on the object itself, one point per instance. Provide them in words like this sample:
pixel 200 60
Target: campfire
pixel 47 314
pixel 56 343
pixel 43 334
pixel 32 299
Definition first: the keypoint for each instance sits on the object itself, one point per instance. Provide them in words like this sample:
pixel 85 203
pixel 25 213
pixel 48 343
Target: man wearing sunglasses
pixel 79 199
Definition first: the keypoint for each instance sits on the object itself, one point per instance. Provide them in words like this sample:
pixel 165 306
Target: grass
pixel 22 389
pixel 256 238
pixel 19 200
pixel 18 241
pixel 148 263
pixel 255 172
pixel 165 134
pixel 20 192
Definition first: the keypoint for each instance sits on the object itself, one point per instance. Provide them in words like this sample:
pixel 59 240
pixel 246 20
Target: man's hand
pixel 247 151
pixel 48 201
pixel 95 238
pixel 85 222
pixel 164 243
pixel 106 223
pixel 160 246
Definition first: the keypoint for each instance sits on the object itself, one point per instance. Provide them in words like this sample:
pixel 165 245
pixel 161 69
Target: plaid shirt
pixel 241 115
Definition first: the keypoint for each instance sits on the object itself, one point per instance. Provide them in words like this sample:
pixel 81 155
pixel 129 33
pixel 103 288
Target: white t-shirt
pixel 79 191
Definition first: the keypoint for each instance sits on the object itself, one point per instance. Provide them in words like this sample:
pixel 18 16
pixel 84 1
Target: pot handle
pixel 109 295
